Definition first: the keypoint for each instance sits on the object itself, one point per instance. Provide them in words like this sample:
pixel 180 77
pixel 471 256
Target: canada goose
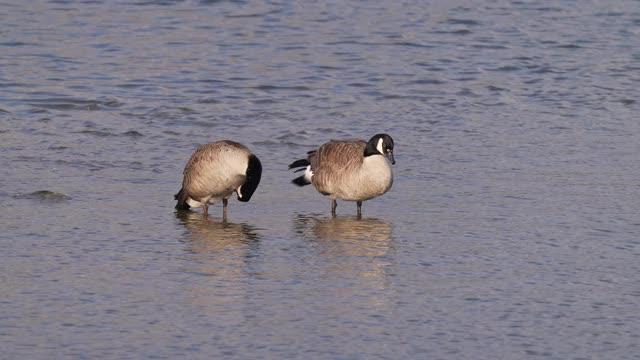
pixel 214 172
pixel 349 170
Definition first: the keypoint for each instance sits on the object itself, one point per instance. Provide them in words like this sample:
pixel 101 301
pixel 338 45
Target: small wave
pixel 626 101
pixel 16 43
pixel 360 85
pixel 506 68
pixel 428 82
pixel 103 133
pixel 74 104
pixel 208 100
pixel 276 88
pixel 131 85
pixel 327 67
pixel 453 32
pixel 403 97
pixel 410 44
pixel 467 22
pixel 214 2
pixel 496 88
pixel 489 47
pixel 158 2
pixel 264 101
pixel 547 9
pixel 568 46
pixel 211 81
pixel 132 133
pixel 544 70
pixel 278 144
pixel 44 195
pixel 96 133
pixel 391 43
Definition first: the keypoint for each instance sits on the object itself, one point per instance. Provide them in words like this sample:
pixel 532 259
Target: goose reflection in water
pixel 347 235
pixel 217 261
pixel 218 246
pixel 353 256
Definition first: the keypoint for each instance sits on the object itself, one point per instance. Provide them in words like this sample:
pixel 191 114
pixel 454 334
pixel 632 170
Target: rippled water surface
pixel 511 231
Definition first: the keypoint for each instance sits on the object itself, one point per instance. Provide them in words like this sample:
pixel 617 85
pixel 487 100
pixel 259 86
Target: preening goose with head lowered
pixel 214 172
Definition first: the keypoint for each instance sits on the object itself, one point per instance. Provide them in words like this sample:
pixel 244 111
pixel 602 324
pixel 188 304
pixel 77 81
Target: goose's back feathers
pixel 338 156
pixel 216 168
pixel 225 151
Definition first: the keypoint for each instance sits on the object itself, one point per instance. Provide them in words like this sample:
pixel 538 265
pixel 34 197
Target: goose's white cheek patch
pixel 379 147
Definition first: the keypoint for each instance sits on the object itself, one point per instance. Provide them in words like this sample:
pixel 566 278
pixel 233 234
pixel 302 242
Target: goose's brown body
pixel 349 170
pixel 341 171
pixel 215 171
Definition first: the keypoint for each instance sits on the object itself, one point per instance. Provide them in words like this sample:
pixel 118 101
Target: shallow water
pixel 511 230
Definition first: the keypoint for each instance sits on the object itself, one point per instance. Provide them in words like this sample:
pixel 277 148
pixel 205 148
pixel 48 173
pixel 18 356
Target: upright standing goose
pixel 214 172
pixel 349 170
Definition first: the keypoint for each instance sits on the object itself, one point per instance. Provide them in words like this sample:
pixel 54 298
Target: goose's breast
pixel 373 179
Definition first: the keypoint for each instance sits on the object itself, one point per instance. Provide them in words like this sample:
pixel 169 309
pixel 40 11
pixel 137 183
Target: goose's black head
pixel 254 173
pixel 380 144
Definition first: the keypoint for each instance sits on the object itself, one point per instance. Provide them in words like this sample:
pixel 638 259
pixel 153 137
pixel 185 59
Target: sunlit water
pixel 511 231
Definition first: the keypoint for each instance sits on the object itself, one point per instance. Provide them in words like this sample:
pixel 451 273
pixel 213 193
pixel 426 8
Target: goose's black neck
pixel 371 148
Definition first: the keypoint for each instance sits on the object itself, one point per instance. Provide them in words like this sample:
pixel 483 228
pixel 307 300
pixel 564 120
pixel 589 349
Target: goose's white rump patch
pixel 308 174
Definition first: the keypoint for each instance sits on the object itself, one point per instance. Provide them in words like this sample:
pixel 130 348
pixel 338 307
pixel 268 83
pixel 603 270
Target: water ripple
pixel 513 204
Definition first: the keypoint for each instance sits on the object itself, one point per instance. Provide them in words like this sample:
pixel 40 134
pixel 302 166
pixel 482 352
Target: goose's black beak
pixel 390 157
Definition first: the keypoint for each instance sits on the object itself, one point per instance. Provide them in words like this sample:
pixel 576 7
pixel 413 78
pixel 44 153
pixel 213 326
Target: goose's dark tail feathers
pixel 301 181
pixel 302 164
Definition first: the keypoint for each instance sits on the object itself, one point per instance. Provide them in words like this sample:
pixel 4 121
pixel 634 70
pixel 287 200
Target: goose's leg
pixel 359 208
pixel 205 209
pixel 224 209
pixel 334 205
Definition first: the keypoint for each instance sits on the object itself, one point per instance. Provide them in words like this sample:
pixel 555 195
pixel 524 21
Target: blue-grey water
pixel 512 230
